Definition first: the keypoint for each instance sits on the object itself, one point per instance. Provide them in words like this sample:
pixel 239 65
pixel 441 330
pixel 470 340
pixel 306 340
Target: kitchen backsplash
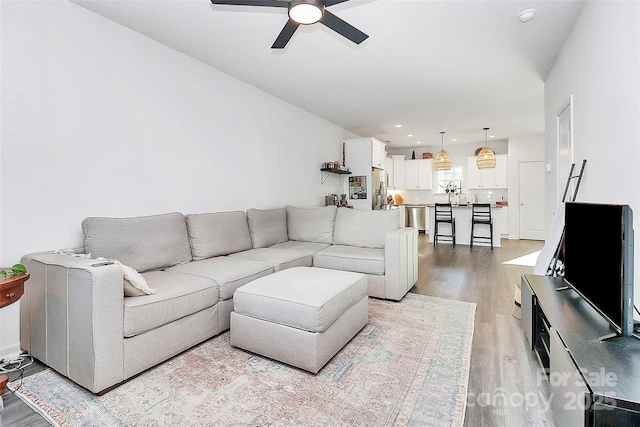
pixel 425 197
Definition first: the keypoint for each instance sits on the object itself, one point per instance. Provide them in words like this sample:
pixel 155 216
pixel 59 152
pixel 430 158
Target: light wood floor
pixel 504 385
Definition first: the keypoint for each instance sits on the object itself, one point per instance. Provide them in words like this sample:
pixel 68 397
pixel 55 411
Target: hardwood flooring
pixel 505 386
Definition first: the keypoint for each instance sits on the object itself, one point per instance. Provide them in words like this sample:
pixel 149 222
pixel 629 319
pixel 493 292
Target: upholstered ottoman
pixel 301 316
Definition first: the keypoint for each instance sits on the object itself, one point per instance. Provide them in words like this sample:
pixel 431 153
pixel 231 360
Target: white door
pixel 532 200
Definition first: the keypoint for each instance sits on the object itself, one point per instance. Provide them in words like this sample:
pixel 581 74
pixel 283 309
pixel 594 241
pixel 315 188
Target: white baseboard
pixel 10 352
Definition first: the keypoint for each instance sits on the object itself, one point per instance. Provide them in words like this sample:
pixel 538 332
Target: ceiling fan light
pixel 306 11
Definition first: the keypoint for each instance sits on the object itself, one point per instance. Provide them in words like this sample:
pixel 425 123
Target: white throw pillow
pixel 134 283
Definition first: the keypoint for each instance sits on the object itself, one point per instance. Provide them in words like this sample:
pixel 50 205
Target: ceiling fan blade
pixel 285 35
pixel 268 3
pixel 328 3
pixel 343 28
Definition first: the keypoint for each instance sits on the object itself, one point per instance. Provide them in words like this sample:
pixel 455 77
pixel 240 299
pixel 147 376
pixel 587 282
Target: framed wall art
pixel 358 187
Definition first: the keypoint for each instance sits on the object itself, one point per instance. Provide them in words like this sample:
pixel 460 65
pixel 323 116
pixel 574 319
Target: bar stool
pixel 481 215
pixel 444 213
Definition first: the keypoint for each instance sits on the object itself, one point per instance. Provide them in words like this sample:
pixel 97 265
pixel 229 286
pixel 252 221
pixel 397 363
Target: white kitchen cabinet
pixel 379 155
pixel 418 174
pixel 396 173
pixel 365 153
pixel 389 173
pixel 487 178
pixel 504 221
pixel 501 171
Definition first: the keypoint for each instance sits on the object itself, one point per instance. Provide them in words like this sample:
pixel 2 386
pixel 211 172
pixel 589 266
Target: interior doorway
pixel 532 203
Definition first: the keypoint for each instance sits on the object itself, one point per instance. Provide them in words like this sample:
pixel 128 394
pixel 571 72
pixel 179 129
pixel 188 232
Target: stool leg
pixel 491 231
pixel 471 239
pixel 453 232
pixel 435 233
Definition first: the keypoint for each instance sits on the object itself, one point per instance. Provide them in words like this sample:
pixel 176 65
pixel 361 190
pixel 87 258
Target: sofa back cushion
pixel 267 227
pixel 216 234
pixel 365 229
pixel 143 243
pixel 311 224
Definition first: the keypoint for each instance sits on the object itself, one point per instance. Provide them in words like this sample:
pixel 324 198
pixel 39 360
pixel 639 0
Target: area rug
pixel 408 366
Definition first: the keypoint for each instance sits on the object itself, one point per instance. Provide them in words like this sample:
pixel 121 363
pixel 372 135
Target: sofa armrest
pixel 400 262
pixel 71 318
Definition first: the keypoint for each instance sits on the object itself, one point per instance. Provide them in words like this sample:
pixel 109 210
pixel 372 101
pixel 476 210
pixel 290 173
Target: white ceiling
pixel 454 66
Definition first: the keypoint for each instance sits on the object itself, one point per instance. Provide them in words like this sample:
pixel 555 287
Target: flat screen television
pixel 598 259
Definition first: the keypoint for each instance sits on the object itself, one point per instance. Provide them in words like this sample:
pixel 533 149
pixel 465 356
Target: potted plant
pixel 16 270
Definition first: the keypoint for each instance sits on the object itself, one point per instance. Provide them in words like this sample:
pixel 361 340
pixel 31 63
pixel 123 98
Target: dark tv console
pixel 592 382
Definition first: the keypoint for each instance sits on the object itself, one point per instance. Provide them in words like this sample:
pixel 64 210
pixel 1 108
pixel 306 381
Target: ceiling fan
pixel 304 12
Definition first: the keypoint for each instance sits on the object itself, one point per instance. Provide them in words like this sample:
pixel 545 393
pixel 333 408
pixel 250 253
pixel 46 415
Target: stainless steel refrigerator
pixel 378 189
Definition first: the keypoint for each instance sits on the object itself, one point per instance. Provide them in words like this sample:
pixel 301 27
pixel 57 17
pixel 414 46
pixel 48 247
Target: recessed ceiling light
pixel 398 126
pixel 409 135
pixel 492 136
pixel 419 142
pixel 527 15
pixel 454 139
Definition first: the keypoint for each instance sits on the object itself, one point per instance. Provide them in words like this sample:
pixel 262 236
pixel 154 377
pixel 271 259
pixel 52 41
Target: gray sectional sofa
pixel 76 318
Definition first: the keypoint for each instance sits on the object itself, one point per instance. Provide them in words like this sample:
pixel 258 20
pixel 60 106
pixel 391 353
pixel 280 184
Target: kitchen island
pixel 462 214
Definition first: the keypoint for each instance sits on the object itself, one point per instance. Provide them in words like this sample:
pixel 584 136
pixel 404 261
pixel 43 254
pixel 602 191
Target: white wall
pixel 599 66
pixel 98 120
pixel 521 149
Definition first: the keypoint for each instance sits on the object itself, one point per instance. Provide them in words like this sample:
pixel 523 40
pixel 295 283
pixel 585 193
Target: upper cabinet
pixel 379 155
pixel 487 178
pixel 395 172
pixel 417 174
pixel 365 153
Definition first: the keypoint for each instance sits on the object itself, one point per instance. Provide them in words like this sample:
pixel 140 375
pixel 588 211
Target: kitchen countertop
pixel 454 205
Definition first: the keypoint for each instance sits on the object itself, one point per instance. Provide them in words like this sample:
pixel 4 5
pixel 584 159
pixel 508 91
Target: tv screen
pixel 598 259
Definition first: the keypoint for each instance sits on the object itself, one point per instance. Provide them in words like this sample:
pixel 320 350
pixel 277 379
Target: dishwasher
pixel 416 217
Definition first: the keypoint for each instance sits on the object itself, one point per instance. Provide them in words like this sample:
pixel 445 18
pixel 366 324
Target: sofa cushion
pixel 280 259
pixel 143 243
pixel 351 258
pixel 177 295
pixel 305 298
pixel 215 234
pixel 267 227
pixel 364 228
pixel 311 224
pixel 228 273
pixel 302 248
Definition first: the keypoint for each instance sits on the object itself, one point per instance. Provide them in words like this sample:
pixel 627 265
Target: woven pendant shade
pixel 442 161
pixel 486 157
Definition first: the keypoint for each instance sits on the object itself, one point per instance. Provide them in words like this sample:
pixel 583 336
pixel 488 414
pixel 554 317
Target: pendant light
pixel 486 157
pixel 442 161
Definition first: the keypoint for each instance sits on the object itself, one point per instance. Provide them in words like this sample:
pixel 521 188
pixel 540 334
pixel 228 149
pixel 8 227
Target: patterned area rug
pixel 408 366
